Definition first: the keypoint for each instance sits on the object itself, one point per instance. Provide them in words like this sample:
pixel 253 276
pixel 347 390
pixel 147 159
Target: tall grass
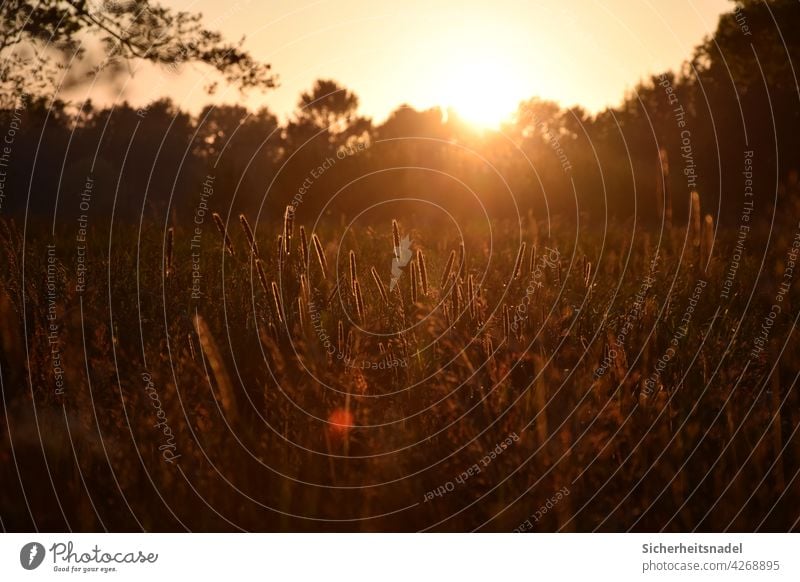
pixel 323 404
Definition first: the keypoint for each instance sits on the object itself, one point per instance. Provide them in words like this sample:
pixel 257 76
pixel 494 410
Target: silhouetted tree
pixel 36 37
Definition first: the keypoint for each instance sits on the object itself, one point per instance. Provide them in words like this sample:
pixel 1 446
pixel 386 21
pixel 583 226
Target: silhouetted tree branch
pixel 38 39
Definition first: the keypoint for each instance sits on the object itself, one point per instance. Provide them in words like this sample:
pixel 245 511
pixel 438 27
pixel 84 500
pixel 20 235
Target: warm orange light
pixel 483 89
pixel 341 420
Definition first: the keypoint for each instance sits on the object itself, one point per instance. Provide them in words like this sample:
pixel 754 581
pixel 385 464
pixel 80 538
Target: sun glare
pixel 483 91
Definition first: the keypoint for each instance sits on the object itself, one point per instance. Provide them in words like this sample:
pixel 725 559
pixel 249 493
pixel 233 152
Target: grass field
pixel 607 377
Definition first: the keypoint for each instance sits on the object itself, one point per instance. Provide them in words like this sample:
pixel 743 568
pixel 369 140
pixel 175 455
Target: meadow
pixel 272 376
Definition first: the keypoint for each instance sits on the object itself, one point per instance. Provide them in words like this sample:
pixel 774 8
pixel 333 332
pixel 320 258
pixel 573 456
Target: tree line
pixel 726 121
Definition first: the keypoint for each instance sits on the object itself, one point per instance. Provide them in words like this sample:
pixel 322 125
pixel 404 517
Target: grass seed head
pixel 303 248
pixel 414 277
pixel 359 302
pixel 248 233
pixel 447 268
pixel 276 297
pixel 423 271
pixel 323 263
pixel 288 229
pixel 353 272
pixel 223 232
pixel 224 393
pixel 396 239
pixel 262 277
pixel 379 284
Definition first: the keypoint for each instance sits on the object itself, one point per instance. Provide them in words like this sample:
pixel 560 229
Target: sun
pixel 483 91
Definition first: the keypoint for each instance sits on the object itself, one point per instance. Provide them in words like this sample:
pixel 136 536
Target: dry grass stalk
pixel 323 262
pixel 708 239
pixel 396 239
pixel 359 302
pixel 276 297
pixel 423 271
pixel 664 190
pixel 454 302
pixel 190 341
pixel 224 387
pixel 414 277
pixel 303 248
pixel 169 252
pixel 332 294
pixel 304 291
pixel 288 228
pixel 248 233
pixel 448 267
pixel 696 218
pixel 380 285
pixel 262 277
pixel 480 312
pixel 518 262
pixel 223 232
pixel 587 274
pixel 301 312
pixel 353 272
pixel 462 261
pixel 471 299
pixel 349 346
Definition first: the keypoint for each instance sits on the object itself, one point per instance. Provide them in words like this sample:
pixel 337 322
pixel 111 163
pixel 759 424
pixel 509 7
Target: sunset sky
pixel 481 58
